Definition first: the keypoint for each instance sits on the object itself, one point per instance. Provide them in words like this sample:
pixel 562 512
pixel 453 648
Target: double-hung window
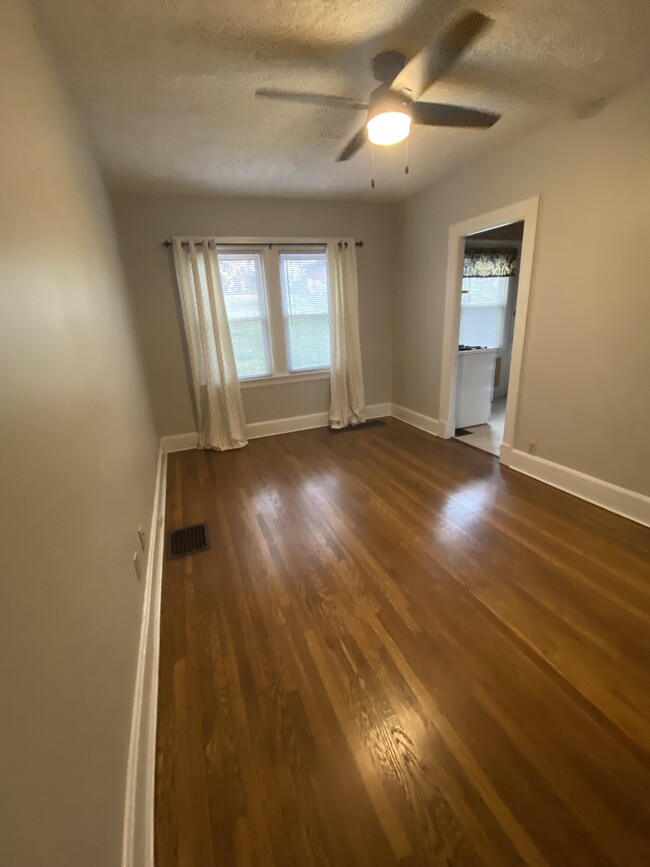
pixel 242 281
pixel 305 306
pixel 483 309
pixel 278 304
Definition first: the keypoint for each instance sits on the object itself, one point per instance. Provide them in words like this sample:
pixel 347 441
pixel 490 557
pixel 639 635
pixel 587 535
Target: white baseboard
pixel 417 419
pixel 286 425
pixel 305 422
pixel 624 502
pixel 379 410
pixel 182 442
pixel 137 841
pixel 179 442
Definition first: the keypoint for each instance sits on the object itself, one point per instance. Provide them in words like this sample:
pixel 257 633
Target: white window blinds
pixel 305 304
pixel 242 279
pixel 483 308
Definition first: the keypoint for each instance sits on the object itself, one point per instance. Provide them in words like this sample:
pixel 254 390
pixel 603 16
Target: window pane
pixel 248 346
pixel 243 291
pixel 305 300
pixel 482 313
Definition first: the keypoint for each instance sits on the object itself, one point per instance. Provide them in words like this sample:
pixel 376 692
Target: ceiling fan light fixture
pixel 389 127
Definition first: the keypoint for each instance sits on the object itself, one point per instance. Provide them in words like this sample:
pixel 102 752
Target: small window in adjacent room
pixel 305 304
pixel 483 308
pixel 242 279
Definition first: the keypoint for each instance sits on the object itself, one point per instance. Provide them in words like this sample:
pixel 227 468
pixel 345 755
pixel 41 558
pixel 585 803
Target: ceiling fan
pixel 393 105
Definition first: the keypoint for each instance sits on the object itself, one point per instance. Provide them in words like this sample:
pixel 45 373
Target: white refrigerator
pixel 474 386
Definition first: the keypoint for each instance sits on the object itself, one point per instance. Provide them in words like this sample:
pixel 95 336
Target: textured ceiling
pixel 167 86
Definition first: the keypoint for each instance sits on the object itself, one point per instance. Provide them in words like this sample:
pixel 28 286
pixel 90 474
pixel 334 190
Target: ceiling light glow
pixel 389 127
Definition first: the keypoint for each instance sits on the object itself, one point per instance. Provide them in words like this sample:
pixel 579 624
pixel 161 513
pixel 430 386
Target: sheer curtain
pixel 347 403
pixel 220 414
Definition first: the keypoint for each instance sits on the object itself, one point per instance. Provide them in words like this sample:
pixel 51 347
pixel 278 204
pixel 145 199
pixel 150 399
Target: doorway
pixel 488 282
pixel 487 312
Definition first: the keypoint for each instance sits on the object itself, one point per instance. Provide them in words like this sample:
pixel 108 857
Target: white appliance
pixel 474 386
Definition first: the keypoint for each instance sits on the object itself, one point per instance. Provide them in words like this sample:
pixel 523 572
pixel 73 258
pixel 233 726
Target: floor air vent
pixel 188 540
pixel 372 422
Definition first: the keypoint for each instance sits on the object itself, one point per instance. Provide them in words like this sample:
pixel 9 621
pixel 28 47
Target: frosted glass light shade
pixel 389 127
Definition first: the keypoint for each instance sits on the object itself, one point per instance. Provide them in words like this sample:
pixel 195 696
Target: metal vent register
pixel 188 540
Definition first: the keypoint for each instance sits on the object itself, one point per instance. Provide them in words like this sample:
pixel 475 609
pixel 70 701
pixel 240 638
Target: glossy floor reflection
pixel 398 652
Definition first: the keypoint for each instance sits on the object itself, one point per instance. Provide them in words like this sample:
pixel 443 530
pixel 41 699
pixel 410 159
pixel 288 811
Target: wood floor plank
pixel 398 652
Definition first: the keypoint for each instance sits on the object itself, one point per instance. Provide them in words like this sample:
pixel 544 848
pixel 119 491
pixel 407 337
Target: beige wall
pixel 77 465
pixel 143 222
pixel 584 397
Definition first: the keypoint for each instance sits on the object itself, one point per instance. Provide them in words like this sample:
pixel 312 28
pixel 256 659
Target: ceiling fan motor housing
pixel 383 99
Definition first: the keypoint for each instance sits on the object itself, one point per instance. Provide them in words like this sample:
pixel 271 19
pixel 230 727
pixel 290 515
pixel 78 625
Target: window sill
pixel 283 378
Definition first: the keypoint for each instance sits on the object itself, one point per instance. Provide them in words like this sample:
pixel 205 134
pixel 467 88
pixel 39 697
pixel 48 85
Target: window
pixel 305 306
pixel 483 308
pixel 242 280
pixel 277 301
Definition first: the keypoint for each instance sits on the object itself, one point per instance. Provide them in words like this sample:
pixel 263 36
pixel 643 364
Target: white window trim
pixel 264 307
pixel 270 259
pixel 287 248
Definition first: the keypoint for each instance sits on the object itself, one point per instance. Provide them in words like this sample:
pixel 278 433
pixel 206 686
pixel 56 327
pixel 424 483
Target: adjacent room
pixel 325 494
pixel 488 308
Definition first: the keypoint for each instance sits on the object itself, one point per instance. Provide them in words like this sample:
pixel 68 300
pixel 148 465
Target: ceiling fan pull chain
pixel 372 164
pixel 406 163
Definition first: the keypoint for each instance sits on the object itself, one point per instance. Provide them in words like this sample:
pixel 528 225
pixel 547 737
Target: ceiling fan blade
pixel 356 142
pixel 319 99
pixel 433 62
pixel 417 28
pixel 437 114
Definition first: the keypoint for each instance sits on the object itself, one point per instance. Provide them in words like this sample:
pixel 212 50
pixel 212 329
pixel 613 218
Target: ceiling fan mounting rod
pixel 387 65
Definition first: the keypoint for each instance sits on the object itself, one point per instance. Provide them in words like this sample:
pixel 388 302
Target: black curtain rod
pixel 305 244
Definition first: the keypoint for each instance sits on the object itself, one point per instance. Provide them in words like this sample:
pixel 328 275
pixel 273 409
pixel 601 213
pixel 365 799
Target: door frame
pixel 525 211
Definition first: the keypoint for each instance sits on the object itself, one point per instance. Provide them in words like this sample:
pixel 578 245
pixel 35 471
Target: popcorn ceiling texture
pixel 167 86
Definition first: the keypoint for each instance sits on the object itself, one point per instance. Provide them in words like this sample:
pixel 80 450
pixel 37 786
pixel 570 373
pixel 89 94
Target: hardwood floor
pixel 398 653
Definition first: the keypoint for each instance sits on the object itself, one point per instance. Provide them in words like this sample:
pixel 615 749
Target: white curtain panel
pixel 220 414
pixel 347 403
